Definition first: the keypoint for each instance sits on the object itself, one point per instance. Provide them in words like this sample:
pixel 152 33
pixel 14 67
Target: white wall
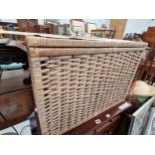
pixel 9 20
pixel 133 25
pixel 41 21
pixel 138 25
pixel 98 22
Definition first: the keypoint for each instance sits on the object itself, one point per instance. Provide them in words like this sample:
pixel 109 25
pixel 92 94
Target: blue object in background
pixel 12 66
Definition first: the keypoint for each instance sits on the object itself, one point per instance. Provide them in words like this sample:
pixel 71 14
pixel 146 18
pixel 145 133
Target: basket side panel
pixel 69 90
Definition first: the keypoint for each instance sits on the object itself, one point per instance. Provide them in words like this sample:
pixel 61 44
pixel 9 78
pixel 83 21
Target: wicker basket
pixel 74 80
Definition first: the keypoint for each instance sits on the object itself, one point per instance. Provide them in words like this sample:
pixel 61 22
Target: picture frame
pixel 139 118
pixel 150 129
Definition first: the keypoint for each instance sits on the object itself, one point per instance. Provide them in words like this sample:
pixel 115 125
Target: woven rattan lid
pixel 82 42
pixel 69 41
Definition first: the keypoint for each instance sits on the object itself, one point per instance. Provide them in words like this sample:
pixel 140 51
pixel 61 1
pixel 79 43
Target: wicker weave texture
pixel 69 90
pixel 48 42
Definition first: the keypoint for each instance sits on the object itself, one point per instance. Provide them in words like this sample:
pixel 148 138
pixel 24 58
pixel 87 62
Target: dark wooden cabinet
pixel 49 29
pixel 43 29
pixel 27 25
pixel 109 127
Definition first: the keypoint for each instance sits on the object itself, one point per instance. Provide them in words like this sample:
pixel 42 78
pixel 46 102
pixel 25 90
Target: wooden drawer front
pixel 109 127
